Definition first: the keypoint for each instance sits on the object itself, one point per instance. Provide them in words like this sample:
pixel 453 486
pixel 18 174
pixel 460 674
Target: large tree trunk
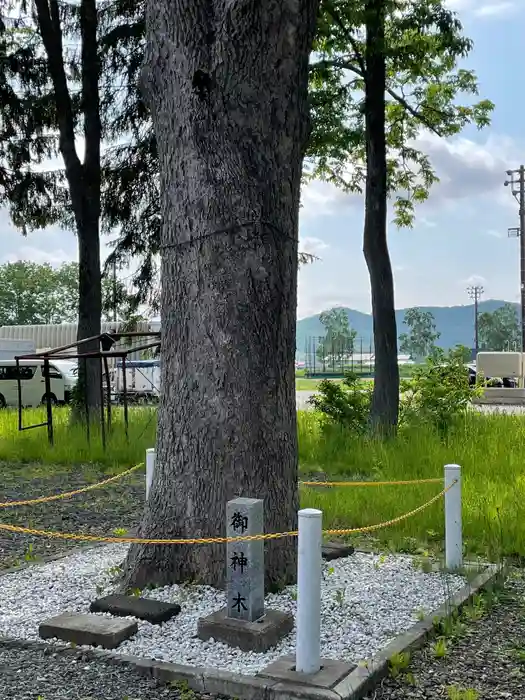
pixel 385 400
pixel 227 85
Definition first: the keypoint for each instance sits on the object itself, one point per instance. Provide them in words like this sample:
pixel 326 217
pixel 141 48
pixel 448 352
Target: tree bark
pixel 385 399
pixel 83 178
pixel 89 272
pixel 227 86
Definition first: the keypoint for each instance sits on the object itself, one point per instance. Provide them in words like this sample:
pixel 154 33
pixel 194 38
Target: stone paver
pixel 87 629
pixel 154 611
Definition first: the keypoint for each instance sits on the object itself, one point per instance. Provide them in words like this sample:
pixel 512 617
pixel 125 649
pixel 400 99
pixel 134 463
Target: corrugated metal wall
pixel 54 336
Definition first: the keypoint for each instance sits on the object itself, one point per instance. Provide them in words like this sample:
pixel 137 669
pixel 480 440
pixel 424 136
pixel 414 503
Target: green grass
pixel 71 446
pixel 308 384
pixel 489 448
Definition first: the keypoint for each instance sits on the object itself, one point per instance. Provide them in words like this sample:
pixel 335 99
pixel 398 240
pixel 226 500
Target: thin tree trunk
pixel 89 275
pixel 385 400
pixel 89 315
pixel 227 85
pixel 83 178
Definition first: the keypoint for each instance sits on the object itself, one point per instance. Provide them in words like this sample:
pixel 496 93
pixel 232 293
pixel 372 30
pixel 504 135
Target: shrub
pixel 439 391
pixel 346 403
pixel 436 395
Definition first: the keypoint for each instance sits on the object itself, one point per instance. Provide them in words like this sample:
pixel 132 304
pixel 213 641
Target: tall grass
pixel 489 448
pixel 71 445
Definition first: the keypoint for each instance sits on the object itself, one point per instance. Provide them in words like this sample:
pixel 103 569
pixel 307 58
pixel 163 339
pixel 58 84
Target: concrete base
pixel 497 395
pixel 328 676
pixel 336 550
pixel 89 630
pixel 258 636
pixel 153 611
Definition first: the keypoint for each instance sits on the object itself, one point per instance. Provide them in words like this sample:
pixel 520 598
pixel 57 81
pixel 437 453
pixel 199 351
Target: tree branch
pixel 347 65
pixel 337 19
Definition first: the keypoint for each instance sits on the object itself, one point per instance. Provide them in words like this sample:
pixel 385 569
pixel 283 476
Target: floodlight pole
pixel 517 182
pixel 475 292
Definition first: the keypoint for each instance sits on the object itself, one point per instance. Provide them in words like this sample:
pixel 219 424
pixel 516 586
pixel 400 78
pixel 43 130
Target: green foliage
pixel 499 330
pixel 476 609
pixel 438 392
pixel 339 337
pixel 28 294
pixel 464 353
pixel 117 299
pixel 439 648
pixel 423 45
pixel 399 664
pixel 419 342
pixel 455 693
pixel 346 403
pixel 31 294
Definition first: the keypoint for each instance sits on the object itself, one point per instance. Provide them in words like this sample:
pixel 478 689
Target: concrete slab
pixel 257 636
pixel 154 611
pixel 336 550
pixel 86 629
pixel 330 674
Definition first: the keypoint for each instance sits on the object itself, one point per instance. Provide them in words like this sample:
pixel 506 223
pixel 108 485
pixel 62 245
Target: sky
pixel 459 236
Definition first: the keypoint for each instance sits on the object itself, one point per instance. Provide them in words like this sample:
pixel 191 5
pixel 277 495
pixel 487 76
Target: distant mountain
pixel 455 323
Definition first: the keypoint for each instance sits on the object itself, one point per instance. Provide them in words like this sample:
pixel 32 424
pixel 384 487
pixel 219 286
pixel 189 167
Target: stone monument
pixel 244 622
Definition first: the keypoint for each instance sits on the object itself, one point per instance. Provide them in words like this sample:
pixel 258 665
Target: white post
pixel 453 526
pixel 308 655
pixel 150 467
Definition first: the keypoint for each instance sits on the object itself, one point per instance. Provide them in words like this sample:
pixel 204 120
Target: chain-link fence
pixel 332 358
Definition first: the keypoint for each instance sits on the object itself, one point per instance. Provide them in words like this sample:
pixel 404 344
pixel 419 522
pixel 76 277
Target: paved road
pixel 302 398
pixel 502 408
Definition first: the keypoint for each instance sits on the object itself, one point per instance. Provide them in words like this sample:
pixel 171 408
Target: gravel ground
pixel 366 601
pixel 118 505
pixel 485 660
pixel 28 674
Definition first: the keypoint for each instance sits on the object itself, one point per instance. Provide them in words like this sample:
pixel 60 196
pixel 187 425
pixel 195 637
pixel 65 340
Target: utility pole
pixel 517 183
pixel 475 291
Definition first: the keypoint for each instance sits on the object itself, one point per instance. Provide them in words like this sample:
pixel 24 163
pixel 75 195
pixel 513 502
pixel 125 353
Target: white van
pixel 62 376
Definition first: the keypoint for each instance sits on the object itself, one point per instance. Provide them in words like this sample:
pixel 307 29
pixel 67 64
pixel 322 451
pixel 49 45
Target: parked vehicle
pixel 62 377
pixel 142 381
pixel 498 382
pixel 11 347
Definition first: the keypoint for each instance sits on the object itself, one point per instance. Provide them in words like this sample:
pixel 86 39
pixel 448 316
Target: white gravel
pixel 367 601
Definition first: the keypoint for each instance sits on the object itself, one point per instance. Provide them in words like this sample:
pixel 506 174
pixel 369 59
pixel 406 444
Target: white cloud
pixel 474 281
pixel 483 8
pixel 39 256
pixel 467 169
pixel 324 199
pixel 312 245
pixel 494 233
pixel 496 9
